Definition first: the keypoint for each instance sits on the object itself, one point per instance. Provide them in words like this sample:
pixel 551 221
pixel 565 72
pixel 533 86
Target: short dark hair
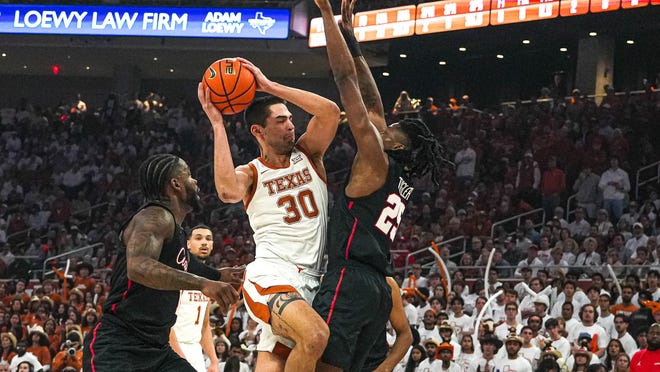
pixel 551 323
pixel 458 299
pixel 155 172
pixel 259 110
pixel 198 226
pixel 622 317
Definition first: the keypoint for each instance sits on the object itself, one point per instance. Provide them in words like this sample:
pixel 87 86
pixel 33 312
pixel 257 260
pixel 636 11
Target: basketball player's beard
pixel 194 200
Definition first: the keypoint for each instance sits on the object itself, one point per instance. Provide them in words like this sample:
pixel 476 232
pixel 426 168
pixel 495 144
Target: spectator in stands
pixel 461 322
pixel 553 184
pixel 628 343
pixel 557 264
pixel 652 281
pixel 650 212
pixel 558 341
pixel 490 344
pixel 626 307
pixel 642 261
pixel 24 356
pixel 430 363
pixel 588 317
pixel 638 239
pixel 588 258
pixel 415 279
pixel 558 215
pixel 465 161
pixel 70 354
pixel 532 261
pixel 429 328
pixel 587 192
pixel 403 103
pixel 632 213
pixel 579 228
pixel 603 223
pixel 615 186
pixel 39 345
pixel 528 178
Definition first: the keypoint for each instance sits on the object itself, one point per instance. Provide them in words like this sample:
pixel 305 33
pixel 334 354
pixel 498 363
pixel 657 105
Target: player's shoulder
pixel 154 214
pixel 154 218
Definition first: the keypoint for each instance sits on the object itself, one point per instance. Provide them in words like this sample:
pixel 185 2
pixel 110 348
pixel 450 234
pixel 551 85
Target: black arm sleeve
pixel 198 268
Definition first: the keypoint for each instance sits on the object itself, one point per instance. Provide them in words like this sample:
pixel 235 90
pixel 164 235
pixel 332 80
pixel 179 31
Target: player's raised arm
pixel 322 127
pixel 370 157
pixel 368 88
pixel 231 183
pixel 144 238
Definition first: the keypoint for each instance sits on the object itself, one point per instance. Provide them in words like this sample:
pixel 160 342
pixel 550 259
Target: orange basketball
pixel 232 85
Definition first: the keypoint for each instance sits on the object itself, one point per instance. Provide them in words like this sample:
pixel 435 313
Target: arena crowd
pixel 69 178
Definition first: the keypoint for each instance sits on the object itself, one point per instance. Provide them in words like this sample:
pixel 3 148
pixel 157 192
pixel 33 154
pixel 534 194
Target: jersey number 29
pixel 390 216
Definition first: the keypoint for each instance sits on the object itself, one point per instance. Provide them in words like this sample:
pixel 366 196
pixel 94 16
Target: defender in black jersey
pixel 152 267
pixel 354 297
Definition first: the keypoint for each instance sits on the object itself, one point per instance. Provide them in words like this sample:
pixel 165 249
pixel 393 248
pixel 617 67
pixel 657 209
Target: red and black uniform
pixel 354 297
pixel 133 333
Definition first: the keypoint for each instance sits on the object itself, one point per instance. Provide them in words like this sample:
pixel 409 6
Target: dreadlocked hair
pixel 424 154
pixel 154 174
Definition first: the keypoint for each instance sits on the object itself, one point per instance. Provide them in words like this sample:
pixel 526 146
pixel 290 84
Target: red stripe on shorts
pixel 334 299
pixel 350 238
pixel 91 347
pixel 123 297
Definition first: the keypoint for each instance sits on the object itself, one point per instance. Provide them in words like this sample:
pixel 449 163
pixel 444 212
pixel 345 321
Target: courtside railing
pixel 533 213
pixel 66 255
pixel 653 168
pixel 427 259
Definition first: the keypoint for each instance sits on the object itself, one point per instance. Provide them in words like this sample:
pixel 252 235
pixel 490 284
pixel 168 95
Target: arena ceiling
pixel 186 58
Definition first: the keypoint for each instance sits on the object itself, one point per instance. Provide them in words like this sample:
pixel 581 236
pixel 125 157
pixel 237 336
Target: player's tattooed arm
pixel 144 238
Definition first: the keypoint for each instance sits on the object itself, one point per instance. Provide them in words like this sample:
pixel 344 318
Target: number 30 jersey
pixel 288 212
pixel 363 229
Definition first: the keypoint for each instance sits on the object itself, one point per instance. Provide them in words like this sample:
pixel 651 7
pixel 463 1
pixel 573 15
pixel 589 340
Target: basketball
pixel 232 85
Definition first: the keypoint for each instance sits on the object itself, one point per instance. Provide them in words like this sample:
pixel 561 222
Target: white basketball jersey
pixel 190 316
pixel 288 212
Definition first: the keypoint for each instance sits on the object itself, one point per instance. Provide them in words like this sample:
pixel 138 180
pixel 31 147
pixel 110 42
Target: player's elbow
pixel 406 335
pixel 134 271
pixel 228 196
pixel 332 111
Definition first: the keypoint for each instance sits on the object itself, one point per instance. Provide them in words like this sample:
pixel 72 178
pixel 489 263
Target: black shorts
pixel 377 354
pixel 109 347
pixel 356 302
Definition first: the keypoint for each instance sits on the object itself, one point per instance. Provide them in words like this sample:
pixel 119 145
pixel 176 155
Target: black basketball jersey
pixel 146 312
pixel 363 229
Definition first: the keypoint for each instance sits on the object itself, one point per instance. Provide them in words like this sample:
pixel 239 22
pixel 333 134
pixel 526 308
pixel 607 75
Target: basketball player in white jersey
pixel 285 195
pixel 191 333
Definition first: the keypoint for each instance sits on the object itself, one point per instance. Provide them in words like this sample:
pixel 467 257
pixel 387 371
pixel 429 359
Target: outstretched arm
pixel 325 113
pixel 230 184
pixel 144 237
pixel 368 88
pixel 370 161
